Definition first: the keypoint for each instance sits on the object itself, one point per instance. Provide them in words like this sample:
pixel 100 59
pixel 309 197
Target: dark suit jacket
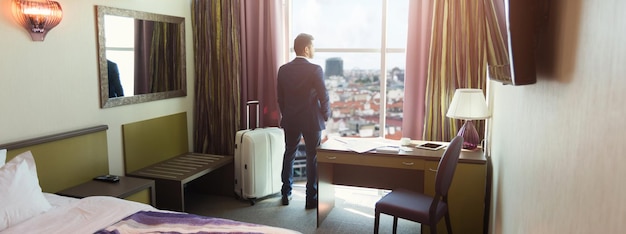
pixel 115 85
pixel 302 96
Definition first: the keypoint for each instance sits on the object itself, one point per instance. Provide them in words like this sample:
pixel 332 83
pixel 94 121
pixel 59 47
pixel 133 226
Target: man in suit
pixel 115 86
pixel 304 106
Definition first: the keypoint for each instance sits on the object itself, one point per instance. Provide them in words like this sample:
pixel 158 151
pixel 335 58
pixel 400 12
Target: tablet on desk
pixel 430 146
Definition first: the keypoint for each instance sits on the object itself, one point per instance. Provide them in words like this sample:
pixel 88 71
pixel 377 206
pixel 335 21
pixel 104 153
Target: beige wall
pixel 559 158
pixel 52 86
pixel 558 146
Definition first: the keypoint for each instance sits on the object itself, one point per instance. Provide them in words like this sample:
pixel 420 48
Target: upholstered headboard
pixel 151 141
pixel 66 159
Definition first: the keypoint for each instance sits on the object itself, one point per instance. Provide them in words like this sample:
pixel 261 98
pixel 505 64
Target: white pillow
pixel 3 156
pixel 20 192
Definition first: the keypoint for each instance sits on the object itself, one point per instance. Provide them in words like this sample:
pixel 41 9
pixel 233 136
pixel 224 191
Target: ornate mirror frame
pixel 105 101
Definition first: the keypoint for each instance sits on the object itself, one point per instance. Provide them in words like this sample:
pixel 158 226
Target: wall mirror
pixel 141 56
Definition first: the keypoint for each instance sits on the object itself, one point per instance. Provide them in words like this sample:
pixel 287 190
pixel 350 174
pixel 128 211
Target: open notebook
pixel 362 145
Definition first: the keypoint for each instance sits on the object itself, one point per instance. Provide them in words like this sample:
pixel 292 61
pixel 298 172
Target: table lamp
pixel 468 105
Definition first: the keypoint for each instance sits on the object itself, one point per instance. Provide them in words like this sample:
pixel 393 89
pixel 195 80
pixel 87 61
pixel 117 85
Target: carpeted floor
pixel 353 212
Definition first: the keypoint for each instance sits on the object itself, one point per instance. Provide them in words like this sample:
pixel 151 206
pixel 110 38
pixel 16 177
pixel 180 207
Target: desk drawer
pixel 389 161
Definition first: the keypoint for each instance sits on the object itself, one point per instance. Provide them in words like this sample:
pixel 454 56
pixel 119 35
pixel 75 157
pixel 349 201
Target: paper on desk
pixel 362 145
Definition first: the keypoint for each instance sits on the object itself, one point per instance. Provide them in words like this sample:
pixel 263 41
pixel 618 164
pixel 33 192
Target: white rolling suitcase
pixel 258 160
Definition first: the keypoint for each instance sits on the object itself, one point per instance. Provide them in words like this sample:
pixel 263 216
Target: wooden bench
pixel 157 149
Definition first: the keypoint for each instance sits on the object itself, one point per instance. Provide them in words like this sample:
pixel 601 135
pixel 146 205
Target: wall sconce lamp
pixel 37 16
pixel 468 105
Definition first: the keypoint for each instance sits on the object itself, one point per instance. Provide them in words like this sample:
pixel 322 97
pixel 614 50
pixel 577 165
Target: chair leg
pixel 376 221
pixel 395 224
pixel 448 224
pixel 433 227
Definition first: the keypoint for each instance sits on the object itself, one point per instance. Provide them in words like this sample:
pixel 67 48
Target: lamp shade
pixel 37 16
pixel 468 104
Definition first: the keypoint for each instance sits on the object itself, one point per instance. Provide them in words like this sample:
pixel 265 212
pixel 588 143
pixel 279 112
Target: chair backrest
pixel 447 166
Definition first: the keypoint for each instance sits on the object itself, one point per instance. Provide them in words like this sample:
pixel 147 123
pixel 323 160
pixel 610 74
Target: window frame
pixel 383 50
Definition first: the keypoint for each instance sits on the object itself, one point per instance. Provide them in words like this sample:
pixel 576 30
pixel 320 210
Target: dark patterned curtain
pixel 457 60
pixel 157 44
pixel 497 54
pixel 216 42
pixel 163 57
pixel 143 45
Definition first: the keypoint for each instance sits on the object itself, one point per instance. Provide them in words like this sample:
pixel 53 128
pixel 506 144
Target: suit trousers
pixel 312 140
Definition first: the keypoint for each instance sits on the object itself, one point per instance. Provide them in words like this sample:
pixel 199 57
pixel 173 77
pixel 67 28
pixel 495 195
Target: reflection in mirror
pixel 142 56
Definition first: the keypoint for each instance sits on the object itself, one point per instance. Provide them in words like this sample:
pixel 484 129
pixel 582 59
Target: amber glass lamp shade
pixel 38 17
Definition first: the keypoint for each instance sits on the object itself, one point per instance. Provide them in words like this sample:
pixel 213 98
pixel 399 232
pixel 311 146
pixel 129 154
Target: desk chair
pixel 419 207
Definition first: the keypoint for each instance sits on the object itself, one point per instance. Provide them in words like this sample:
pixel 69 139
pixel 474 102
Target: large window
pixel 360 44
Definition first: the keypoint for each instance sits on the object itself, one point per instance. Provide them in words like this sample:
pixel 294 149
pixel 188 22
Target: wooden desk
pixel 413 170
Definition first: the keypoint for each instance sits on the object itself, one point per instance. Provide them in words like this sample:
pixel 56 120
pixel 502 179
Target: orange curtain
pixel 457 60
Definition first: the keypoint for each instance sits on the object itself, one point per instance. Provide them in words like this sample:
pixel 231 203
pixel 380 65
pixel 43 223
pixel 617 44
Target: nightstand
pixel 129 188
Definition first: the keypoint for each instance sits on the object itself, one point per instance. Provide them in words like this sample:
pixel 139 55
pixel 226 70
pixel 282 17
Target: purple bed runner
pixel 169 222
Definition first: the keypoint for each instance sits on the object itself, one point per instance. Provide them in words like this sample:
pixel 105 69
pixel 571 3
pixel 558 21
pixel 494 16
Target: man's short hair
pixel 302 40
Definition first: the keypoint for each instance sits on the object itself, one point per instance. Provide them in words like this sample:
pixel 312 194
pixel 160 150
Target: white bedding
pixel 70 215
pixel 58 200
pixel 91 214
pixel 25 209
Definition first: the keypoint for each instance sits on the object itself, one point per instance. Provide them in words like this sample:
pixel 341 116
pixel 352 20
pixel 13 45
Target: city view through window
pixel 360 44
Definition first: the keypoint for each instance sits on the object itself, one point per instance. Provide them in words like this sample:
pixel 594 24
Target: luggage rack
pixel 172 174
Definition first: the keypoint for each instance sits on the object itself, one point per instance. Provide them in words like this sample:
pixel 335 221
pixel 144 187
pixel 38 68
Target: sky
pixel 352 24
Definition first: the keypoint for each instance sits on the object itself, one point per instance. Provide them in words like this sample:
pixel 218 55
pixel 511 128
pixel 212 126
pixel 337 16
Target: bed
pixel 28 203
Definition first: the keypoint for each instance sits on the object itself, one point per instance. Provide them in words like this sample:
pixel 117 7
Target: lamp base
pixel 37 36
pixel 470 135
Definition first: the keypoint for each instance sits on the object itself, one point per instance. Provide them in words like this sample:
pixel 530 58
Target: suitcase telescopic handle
pixel 248 104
